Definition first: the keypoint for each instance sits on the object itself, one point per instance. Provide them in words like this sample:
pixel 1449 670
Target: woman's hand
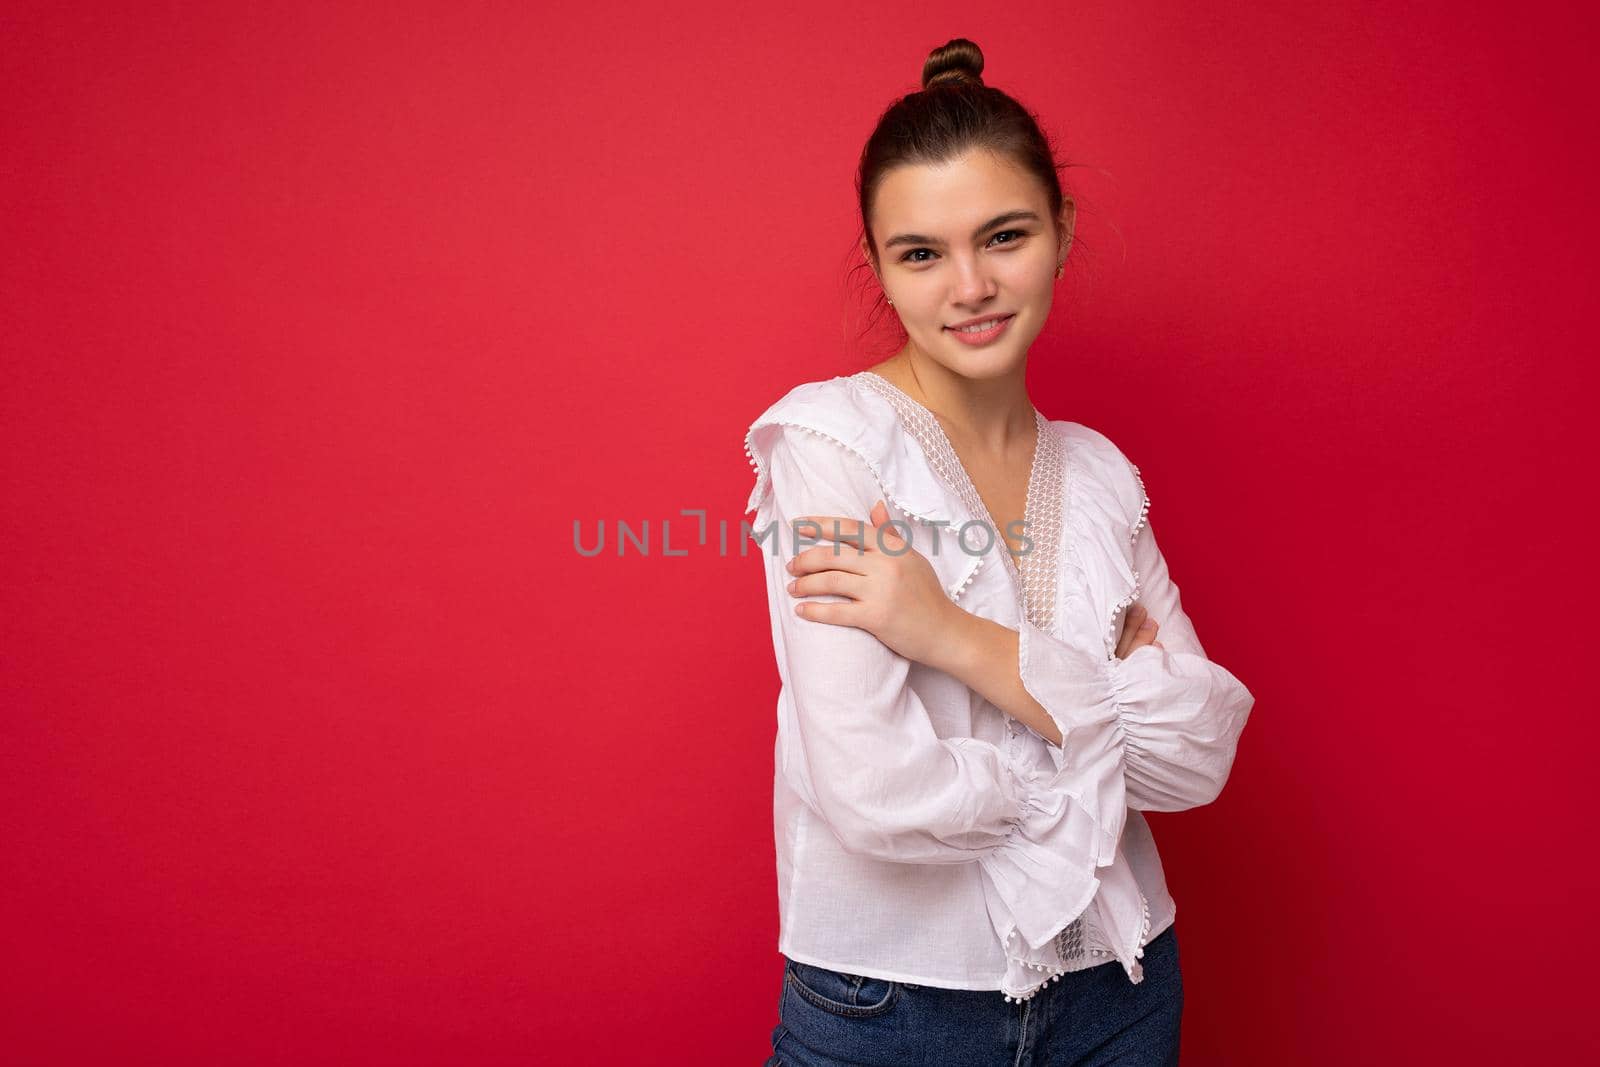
pixel 894 592
pixel 1138 628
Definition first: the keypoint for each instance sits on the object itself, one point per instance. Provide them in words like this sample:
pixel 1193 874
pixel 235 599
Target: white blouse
pixel 923 835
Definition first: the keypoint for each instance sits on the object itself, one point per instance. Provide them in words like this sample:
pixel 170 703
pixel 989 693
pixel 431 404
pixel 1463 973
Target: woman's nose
pixel 973 284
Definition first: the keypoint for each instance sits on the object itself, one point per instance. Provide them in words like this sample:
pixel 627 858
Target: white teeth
pixel 980 327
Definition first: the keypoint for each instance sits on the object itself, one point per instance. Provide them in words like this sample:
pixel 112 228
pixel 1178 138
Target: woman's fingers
pixel 862 575
pixel 852 587
pixel 844 544
pixel 1138 629
pixel 825 562
pixel 850 533
pixel 885 531
pixel 1130 630
pixel 828 583
pixel 1146 634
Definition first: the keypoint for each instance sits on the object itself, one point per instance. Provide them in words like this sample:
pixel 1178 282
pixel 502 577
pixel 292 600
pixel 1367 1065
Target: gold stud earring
pixel 1060 268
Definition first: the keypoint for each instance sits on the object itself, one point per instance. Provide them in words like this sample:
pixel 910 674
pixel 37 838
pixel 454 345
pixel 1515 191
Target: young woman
pixel 966 598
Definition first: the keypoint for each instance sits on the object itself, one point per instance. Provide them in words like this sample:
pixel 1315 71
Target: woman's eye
pixel 1015 236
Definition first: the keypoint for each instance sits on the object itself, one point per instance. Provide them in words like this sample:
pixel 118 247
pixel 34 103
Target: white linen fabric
pixel 922 834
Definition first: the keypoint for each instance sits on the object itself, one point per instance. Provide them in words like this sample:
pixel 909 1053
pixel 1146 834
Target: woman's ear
pixel 866 254
pixel 1068 219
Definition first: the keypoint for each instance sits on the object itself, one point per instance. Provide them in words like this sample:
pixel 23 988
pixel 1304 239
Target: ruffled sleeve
pixel 1181 713
pixel 1169 717
pixel 857 745
pixel 1076 689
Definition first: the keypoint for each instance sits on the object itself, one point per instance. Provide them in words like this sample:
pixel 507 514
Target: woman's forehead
pixel 956 194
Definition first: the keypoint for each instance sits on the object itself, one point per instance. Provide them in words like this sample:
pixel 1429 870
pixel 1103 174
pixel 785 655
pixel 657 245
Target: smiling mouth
pixel 980 327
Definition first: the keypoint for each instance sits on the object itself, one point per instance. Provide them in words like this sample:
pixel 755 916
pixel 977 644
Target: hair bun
pixel 959 62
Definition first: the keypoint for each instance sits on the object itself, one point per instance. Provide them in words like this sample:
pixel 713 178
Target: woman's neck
pixel 991 414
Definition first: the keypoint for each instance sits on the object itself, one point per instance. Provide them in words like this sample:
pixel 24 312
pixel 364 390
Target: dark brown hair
pixel 952 114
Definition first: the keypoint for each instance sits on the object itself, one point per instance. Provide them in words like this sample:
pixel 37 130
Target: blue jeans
pixel 1089 1017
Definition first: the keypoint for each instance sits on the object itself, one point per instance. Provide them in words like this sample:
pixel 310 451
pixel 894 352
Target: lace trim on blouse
pixel 1035 576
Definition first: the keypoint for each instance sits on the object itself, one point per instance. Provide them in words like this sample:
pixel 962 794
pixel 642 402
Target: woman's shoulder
pixel 1096 444
pixel 842 412
pixel 1098 461
pixel 823 401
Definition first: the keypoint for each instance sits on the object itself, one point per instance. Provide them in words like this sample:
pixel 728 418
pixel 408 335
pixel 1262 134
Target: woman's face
pixel 970 239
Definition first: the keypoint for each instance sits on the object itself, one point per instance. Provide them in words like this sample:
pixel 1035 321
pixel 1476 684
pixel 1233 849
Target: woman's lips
pixel 981 337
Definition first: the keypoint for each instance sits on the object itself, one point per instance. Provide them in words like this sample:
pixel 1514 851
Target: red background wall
pixel 322 324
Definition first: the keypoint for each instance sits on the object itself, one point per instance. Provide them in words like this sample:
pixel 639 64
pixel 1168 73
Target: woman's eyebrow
pixel 998 220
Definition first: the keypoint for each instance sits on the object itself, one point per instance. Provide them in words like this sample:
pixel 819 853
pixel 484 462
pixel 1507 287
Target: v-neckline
pixel 947 462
